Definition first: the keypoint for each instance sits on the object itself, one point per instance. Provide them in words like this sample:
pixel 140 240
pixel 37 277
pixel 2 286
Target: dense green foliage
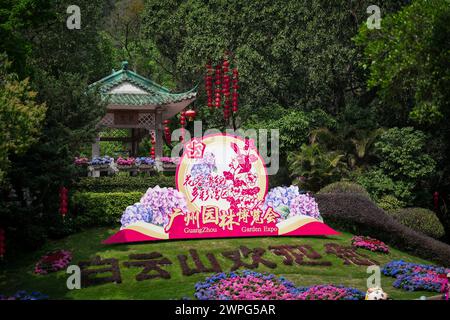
pixel 20 116
pixel 101 209
pixel 351 103
pixel 421 220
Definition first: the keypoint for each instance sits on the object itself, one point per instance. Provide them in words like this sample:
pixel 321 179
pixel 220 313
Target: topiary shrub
pixel 121 183
pixel 345 187
pixel 389 203
pixel 357 214
pixel 91 209
pixel 421 220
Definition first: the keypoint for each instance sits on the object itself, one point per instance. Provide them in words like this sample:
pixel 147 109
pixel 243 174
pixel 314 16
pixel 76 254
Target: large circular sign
pixel 224 171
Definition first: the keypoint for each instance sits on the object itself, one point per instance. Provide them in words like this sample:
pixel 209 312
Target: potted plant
pixel 126 163
pixel 101 163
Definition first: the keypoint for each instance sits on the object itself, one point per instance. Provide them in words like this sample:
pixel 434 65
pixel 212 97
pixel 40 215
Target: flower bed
pixel 245 285
pixel 289 202
pixel 53 261
pixel 81 161
pixel 330 292
pixel 413 277
pixel 145 163
pixel 126 163
pixel 369 243
pixel 251 285
pixel 169 163
pixel 23 295
pixel 101 162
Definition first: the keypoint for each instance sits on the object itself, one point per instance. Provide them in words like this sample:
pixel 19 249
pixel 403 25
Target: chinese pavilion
pixel 138 104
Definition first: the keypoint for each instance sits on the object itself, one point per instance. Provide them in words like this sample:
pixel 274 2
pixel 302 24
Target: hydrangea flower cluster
pixel 134 213
pixel 369 243
pixel 204 166
pixel 145 161
pixel 23 295
pixel 53 261
pixel 154 207
pixel 304 204
pixel 245 285
pixel 413 277
pixel 125 161
pixel 290 201
pixel 98 161
pixel 330 292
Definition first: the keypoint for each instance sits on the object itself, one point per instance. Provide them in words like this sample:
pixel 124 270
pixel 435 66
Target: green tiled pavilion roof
pixel 155 93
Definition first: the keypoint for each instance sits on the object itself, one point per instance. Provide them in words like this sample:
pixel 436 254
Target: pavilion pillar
pixel 158 133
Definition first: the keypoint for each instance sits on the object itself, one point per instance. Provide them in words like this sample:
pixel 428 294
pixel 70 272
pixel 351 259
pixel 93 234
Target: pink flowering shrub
pixel 53 261
pixel 369 243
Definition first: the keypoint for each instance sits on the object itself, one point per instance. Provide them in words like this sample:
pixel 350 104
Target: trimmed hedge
pixel 421 220
pixel 357 214
pixel 345 187
pixel 124 183
pixel 91 209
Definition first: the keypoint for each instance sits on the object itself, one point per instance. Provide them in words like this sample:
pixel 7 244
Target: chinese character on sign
pixel 195 149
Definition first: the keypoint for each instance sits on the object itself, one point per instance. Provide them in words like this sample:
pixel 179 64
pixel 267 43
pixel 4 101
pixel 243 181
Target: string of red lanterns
pixel 209 85
pixel 223 82
pixel 2 243
pixel 182 124
pixel 167 133
pixel 153 142
pixel 63 201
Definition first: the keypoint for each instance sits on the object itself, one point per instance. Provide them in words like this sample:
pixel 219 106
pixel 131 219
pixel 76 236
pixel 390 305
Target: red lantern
pixel 64 200
pixel 436 200
pixel 190 114
pixel 2 243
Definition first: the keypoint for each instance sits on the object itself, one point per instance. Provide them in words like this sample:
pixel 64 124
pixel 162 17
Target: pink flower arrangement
pixel 369 243
pixel 170 160
pixel 79 161
pixel 53 261
pixel 330 292
pixel 125 161
pixel 245 285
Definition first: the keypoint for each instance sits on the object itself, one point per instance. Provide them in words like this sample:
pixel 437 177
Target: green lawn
pixel 19 275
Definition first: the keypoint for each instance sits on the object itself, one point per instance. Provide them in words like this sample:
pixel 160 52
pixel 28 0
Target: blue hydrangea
pixel 136 212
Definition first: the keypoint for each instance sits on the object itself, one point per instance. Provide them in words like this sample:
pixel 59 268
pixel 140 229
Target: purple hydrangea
pixel 290 201
pixel 304 204
pixel 161 202
pixel 134 213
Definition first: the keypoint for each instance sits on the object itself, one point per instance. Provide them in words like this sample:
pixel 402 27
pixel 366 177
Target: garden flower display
pixel 134 213
pixel 330 292
pixel 79 161
pixel 289 201
pixel 125 161
pixel 98 161
pixel 145 161
pixel 170 160
pixel 369 243
pixel 154 207
pixel 304 204
pixel 413 277
pixel 53 261
pixel 245 285
pixel 23 295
